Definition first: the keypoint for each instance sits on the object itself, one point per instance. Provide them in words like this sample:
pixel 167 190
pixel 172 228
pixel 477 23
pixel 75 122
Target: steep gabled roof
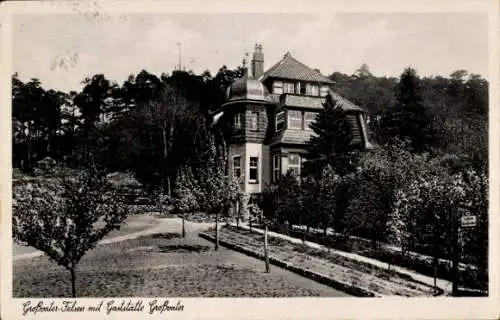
pixel 290 68
pixel 345 104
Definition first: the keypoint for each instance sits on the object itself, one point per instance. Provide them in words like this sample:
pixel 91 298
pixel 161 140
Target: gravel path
pixel 152 265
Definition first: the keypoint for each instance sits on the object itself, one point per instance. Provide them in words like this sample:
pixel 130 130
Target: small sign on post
pixel 468 221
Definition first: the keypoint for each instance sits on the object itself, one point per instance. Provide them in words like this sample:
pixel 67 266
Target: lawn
pixel 167 265
pixel 134 223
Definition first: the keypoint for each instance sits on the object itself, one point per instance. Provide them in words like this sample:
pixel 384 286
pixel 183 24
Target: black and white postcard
pixel 249 159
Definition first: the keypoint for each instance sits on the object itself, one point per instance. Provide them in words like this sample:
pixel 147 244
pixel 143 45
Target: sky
pixel 63 49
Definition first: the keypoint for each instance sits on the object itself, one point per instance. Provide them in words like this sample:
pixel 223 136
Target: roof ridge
pixel 293 61
pixel 304 65
pixel 272 68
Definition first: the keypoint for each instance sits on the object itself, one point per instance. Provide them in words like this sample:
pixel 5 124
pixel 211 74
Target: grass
pixel 134 223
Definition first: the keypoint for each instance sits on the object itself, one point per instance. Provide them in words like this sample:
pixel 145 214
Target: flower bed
pixel 420 263
pixel 342 272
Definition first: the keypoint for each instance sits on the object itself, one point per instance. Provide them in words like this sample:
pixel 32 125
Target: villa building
pixel 267 117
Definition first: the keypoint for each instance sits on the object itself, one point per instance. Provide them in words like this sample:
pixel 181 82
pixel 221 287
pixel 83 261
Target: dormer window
pixel 289 87
pixel 312 90
pixel 278 87
pixel 237 121
pixel 302 90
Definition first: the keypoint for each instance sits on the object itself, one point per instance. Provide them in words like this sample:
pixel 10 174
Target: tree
pixel 65 217
pixel 218 190
pixel 327 198
pixel 311 195
pixel 186 192
pixel 363 71
pixel 333 139
pixel 36 122
pixel 289 200
pixel 370 202
pixel 409 118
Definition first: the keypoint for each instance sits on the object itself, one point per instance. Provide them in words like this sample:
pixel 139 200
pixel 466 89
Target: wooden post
pixel 456 254
pixel 217 231
pixel 266 254
pixel 435 277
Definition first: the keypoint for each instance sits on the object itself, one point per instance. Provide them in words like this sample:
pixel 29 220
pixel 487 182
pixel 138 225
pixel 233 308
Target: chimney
pixel 257 62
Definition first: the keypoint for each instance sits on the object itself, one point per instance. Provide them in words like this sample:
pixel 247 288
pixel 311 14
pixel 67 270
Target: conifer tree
pixel 333 139
pixel 409 119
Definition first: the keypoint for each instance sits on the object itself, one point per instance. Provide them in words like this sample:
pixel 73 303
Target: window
pixel 280 121
pixel 289 87
pixel 294 164
pixel 324 91
pixel 309 117
pixel 254 121
pixel 297 88
pixel 278 87
pixel 276 167
pixel 295 120
pixel 237 166
pixel 254 170
pixel 237 121
pixel 302 89
pixel 311 90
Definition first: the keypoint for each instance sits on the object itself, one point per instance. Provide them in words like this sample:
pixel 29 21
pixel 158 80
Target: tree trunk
pixel 183 224
pixel 29 152
pixel 165 177
pixel 217 231
pixel 169 189
pixel 238 212
pixel 266 254
pixel 73 281
pixel 47 150
pixel 168 148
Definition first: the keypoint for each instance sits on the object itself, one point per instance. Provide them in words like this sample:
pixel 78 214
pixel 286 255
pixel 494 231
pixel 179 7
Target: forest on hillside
pixel 150 124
